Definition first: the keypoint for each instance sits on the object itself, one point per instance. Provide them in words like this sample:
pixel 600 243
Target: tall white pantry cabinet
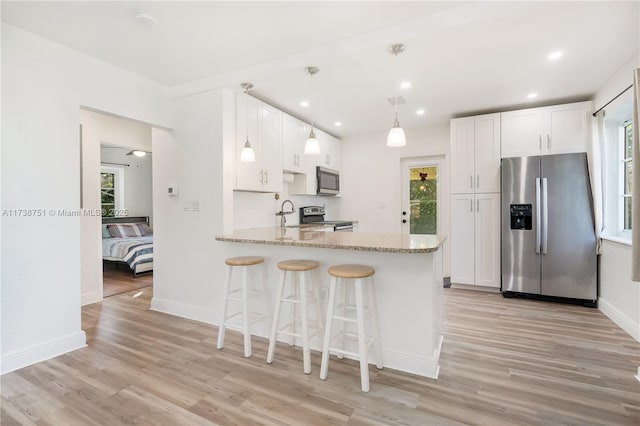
pixel 475 200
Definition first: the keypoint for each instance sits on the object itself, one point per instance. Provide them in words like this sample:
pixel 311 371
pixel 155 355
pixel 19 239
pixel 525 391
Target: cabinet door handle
pixel 471 206
pixel 549 142
pixel 470 181
pixel 261 176
pixel 540 142
pixel 266 176
pixel 478 181
pixel 478 205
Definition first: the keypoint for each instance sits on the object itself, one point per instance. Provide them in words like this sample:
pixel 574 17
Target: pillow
pixel 105 232
pixel 146 229
pixel 124 230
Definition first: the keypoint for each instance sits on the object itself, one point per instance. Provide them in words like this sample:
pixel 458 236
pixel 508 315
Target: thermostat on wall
pixel 172 190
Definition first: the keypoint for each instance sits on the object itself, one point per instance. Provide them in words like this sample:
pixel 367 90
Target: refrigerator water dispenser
pixel 521 216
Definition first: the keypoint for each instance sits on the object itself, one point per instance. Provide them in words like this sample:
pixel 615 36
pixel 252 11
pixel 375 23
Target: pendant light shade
pixel 396 137
pixel 312 145
pixel 247 155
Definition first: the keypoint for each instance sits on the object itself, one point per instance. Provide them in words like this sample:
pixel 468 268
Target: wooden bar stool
pixel 359 274
pixel 300 270
pixel 241 295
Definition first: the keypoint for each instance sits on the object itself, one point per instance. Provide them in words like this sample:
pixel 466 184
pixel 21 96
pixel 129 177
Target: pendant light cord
pixel 246 95
pixel 311 98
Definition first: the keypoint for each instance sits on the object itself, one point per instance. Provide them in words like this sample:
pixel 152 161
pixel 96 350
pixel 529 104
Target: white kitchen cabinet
pixel 265 135
pixel 475 239
pixel 294 136
pixel 329 156
pixel 475 154
pixel 557 129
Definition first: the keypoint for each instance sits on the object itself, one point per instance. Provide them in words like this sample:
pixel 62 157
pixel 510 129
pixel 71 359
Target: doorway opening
pixel 117 193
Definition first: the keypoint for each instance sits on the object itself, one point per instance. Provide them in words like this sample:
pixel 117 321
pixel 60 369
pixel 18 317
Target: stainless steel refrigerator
pixel 548 237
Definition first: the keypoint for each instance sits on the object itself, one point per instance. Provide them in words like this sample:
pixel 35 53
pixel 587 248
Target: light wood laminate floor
pixel 504 362
pixel 118 279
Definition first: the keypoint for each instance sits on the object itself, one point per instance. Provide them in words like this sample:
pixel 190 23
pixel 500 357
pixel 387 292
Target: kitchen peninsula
pixel 408 282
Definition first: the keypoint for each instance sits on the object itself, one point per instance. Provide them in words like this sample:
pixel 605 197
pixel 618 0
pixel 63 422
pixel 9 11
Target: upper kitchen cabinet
pixel 265 135
pixel 294 136
pixel 475 154
pixel 329 151
pixel 557 129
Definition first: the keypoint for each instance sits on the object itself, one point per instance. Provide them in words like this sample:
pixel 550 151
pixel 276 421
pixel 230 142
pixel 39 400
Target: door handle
pixel 266 176
pixel 545 217
pixel 404 213
pixel 538 221
pixel 478 205
pixel 549 142
pixel 261 176
pixel 477 181
pixel 540 142
pixel 404 220
pixel 470 181
pixel 471 205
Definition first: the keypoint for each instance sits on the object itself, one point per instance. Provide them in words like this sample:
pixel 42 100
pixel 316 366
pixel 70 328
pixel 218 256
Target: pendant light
pixel 311 146
pixel 247 155
pixel 396 137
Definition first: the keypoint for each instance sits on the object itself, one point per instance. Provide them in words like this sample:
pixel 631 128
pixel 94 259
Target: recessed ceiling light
pixel 146 18
pixel 405 84
pixel 532 95
pixel 338 123
pixel 420 112
pixel 304 104
pixel 555 55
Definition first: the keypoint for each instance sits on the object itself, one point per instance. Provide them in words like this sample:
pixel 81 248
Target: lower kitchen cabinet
pixel 475 239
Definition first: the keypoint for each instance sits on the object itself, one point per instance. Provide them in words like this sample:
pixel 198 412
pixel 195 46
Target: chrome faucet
pixel 282 213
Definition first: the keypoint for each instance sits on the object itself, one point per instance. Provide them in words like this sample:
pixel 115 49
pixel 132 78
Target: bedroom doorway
pixel 117 182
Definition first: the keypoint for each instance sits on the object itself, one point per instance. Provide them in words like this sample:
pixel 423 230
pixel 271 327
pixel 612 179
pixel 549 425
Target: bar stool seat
pixel 359 275
pixel 301 270
pixel 244 260
pixel 241 296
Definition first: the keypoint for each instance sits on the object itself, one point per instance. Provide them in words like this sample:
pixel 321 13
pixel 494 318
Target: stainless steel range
pixel 315 215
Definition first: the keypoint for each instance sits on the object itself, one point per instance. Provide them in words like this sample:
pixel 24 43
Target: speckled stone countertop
pixel 363 241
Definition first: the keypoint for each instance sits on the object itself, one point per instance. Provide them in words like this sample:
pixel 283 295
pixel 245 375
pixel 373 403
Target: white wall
pixel 188 262
pixel 43 87
pixel 371 179
pixel 619 297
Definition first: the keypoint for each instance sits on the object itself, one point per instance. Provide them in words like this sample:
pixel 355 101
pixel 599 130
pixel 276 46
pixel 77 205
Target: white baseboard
pixel 637 376
pixel 420 365
pixel 475 288
pixel 42 352
pixel 91 297
pixel 623 321
pixel 185 311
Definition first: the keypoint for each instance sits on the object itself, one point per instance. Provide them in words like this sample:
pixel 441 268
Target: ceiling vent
pixel 400 100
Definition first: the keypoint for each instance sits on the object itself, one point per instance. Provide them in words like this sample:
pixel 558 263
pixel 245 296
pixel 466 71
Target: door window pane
pixel 423 200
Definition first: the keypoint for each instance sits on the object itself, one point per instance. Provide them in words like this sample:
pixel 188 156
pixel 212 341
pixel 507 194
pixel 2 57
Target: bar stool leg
pixel 276 316
pixel 221 328
pixel 362 339
pixel 245 314
pixel 376 323
pixel 306 350
pixel 294 294
pixel 315 283
pixel 343 325
pixel 324 365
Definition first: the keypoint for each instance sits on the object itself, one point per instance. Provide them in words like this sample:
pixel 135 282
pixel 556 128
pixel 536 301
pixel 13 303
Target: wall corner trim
pixel 42 352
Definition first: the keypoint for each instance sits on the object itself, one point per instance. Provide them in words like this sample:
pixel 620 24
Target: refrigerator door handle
pixel 545 216
pixel 538 230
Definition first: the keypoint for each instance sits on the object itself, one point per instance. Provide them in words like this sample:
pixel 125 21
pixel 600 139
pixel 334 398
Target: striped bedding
pixel 134 251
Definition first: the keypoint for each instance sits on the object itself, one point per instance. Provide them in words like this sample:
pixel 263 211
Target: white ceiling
pixel 461 57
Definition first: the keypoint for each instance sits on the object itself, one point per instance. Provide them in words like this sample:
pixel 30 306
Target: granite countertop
pixel 364 241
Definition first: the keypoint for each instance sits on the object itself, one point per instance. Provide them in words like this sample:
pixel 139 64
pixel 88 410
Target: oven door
pixel 328 181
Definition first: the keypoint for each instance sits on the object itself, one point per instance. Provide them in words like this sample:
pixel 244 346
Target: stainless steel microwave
pixel 328 181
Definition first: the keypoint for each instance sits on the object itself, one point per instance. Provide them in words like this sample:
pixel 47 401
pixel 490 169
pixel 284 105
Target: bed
pixel 128 241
